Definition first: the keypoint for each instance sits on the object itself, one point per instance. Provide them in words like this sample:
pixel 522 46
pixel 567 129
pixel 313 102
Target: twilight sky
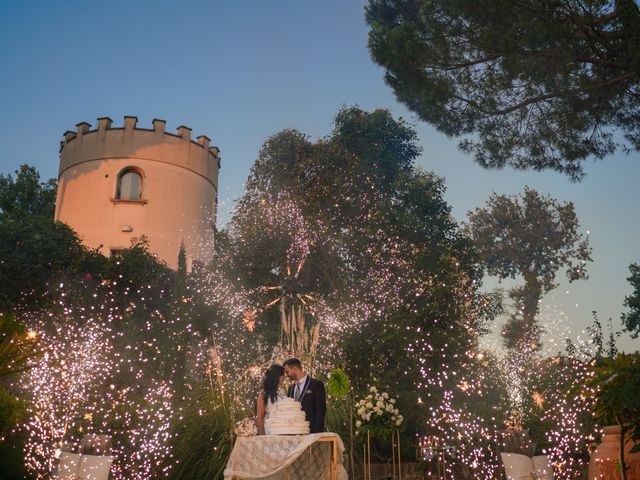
pixel 239 71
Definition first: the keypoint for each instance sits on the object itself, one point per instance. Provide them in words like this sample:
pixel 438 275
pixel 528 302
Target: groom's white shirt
pixel 297 391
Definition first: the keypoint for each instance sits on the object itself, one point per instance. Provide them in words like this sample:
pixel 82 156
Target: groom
pixel 309 392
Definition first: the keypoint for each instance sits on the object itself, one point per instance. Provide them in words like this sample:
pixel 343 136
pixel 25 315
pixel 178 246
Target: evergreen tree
pixel 530 84
pixel 180 286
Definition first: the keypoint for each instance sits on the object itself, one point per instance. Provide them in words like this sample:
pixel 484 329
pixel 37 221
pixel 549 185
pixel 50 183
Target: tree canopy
pixel 534 236
pixel 26 195
pixel 631 319
pixel 34 252
pixel 534 85
pixel 380 250
pixel 34 249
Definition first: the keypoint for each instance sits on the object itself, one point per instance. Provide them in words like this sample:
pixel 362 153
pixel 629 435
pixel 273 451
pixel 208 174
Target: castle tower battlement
pixel 116 183
pixel 106 141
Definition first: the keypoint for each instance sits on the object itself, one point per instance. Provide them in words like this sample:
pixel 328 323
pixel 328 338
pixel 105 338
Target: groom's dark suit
pixel 314 403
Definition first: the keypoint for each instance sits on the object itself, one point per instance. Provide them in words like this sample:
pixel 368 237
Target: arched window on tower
pixel 129 185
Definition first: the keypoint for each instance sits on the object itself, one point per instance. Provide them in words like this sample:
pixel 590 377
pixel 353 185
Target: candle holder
pixel 430 449
pixel 366 458
pixel 395 454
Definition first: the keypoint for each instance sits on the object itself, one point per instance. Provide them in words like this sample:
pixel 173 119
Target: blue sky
pixel 239 71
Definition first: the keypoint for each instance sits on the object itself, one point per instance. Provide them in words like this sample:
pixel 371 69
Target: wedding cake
pixel 286 418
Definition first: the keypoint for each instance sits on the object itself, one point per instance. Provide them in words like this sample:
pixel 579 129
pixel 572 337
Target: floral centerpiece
pixel 246 428
pixel 377 414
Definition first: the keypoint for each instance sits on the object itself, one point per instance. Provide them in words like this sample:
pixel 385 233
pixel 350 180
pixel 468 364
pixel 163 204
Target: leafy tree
pixel 17 348
pixel 631 319
pixel 140 288
pixel 534 85
pixel 533 236
pixel 382 245
pixel 33 252
pixel 135 269
pixel 26 195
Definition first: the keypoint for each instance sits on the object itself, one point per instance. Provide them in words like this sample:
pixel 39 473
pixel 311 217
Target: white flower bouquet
pixel 246 428
pixel 377 414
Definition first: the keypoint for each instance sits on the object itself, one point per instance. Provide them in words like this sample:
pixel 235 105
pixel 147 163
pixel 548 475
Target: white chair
pixel 522 467
pixel 95 467
pixel 68 466
pixel 74 466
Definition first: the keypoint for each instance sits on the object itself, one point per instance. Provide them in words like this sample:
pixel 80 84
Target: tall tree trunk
pixel 531 295
pixel 522 329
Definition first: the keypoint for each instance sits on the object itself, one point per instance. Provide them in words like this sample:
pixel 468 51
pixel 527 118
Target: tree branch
pixel 539 54
pixel 542 98
pixel 456 66
pixel 605 18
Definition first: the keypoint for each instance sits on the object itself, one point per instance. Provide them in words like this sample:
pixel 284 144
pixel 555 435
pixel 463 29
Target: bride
pixel 272 391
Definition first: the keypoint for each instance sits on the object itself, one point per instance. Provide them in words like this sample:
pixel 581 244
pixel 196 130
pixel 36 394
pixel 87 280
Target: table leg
pixel 364 462
pixel 334 460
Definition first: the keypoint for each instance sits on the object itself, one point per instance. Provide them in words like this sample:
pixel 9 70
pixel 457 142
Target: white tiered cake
pixel 286 418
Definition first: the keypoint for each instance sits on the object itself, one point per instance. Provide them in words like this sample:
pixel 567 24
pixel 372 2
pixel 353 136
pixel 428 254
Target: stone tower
pixel 115 184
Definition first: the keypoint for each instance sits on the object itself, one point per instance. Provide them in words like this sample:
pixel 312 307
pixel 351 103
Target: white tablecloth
pixel 286 457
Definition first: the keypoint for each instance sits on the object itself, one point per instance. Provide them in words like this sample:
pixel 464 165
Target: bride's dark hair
pixel 272 382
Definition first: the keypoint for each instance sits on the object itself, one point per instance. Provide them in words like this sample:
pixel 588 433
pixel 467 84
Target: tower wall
pixel 179 189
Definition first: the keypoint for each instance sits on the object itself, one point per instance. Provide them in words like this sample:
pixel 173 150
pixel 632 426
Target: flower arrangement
pixel 377 414
pixel 246 428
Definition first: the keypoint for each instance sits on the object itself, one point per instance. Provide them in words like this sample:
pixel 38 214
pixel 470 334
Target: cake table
pixel 287 457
